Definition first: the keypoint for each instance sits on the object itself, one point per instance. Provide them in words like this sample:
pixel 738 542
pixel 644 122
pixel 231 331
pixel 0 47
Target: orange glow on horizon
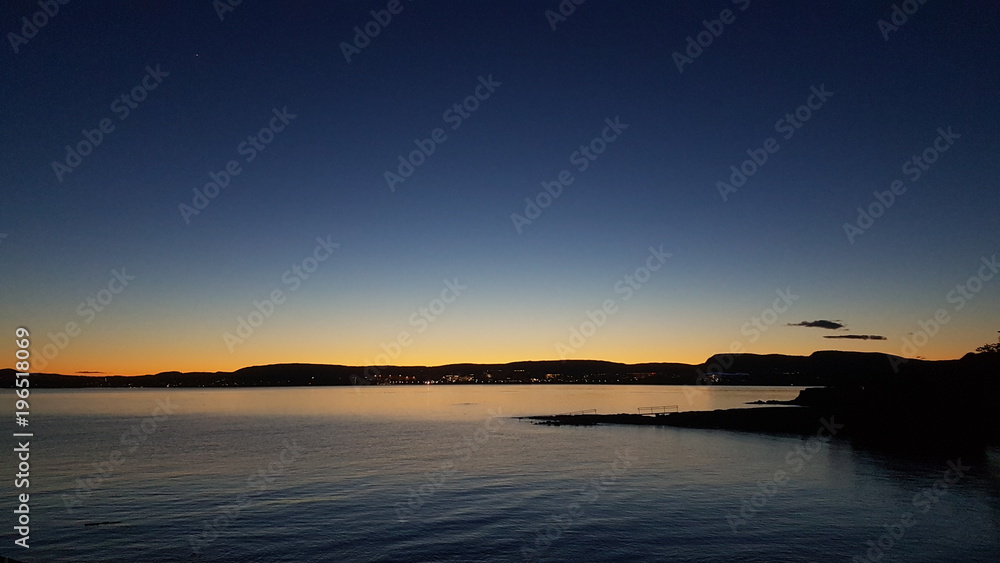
pixel 100 365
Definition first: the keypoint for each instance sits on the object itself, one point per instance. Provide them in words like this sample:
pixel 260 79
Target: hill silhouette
pixel 823 368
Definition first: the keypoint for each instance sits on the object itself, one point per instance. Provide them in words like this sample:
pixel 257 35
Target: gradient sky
pixel 655 185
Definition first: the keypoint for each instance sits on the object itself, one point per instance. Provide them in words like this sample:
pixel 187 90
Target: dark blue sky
pixel 655 185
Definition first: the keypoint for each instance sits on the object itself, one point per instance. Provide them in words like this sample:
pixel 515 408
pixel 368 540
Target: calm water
pixel 428 473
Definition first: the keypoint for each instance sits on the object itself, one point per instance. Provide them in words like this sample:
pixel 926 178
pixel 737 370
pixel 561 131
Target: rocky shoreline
pixel 777 419
pixel 917 414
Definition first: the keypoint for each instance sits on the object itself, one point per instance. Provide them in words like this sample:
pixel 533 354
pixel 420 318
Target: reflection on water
pixel 413 401
pixel 428 474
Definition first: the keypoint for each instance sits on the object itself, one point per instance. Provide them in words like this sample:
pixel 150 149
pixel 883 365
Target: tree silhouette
pixel 995 347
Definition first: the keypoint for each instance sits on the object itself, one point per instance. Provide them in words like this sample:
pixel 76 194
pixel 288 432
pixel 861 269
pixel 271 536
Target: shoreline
pixel 788 419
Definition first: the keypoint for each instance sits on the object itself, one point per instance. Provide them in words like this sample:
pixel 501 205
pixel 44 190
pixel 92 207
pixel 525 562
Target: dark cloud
pixel 859 336
pixel 832 325
pixel 86 371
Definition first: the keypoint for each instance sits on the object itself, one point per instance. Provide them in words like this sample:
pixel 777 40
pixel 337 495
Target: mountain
pixel 818 369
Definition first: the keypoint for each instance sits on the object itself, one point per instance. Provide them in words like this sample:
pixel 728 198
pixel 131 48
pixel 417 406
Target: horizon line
pixel 382 366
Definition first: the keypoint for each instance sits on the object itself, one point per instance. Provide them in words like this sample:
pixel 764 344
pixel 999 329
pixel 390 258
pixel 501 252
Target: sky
pixel 204 187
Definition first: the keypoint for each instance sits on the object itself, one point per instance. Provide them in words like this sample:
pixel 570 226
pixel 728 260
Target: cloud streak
pixel 858 336
pixel 830 325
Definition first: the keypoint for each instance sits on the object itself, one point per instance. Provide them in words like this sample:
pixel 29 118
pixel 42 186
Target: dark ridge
pixel 825 368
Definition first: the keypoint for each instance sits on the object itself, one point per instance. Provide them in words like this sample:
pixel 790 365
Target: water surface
pixel 441 473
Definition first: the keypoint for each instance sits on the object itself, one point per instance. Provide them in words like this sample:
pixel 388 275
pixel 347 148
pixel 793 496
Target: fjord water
pixel 442 473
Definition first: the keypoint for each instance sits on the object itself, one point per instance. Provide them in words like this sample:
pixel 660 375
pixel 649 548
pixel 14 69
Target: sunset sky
pixel 651 235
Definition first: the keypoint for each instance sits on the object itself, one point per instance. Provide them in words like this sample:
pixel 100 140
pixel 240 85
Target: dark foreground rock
pixel 921 411
pixel 792 420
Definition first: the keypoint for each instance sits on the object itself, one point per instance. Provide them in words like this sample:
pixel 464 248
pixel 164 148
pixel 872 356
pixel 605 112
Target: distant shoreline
pixel 822 368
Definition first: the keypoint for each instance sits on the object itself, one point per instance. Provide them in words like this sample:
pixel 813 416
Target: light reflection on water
pixel 427 474
pixel 415 401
